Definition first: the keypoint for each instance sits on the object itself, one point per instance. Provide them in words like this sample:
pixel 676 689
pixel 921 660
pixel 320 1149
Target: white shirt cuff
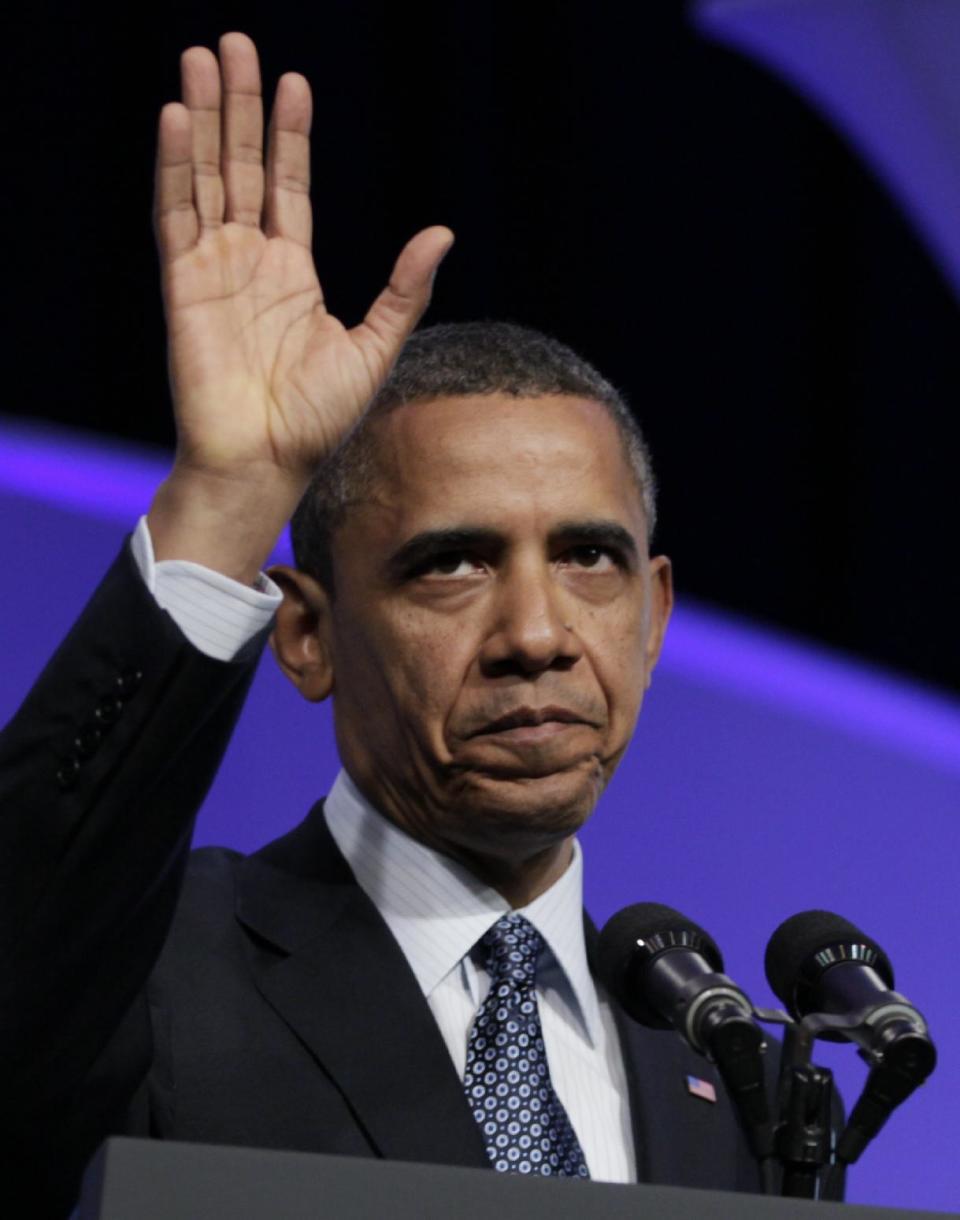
pixel 216 614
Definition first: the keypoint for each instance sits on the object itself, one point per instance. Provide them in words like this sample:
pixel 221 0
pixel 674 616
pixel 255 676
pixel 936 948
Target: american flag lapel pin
pixel 701 1088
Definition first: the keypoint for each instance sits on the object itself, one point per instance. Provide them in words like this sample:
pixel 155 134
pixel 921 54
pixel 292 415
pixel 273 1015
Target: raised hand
pixel 265 381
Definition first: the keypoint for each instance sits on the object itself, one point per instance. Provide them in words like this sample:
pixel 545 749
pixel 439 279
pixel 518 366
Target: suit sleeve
pixel 102 772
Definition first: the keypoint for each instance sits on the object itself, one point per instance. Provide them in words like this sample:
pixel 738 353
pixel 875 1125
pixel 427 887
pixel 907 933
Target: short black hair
pixel 450 360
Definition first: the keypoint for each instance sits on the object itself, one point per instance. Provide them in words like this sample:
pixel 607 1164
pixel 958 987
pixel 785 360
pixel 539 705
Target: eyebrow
pixel 597 533
pixel 429 543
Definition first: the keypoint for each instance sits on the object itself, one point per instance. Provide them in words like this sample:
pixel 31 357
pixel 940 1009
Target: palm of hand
pixel 261 371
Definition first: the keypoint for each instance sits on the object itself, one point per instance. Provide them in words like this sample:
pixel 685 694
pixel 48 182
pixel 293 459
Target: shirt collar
pixel 437 910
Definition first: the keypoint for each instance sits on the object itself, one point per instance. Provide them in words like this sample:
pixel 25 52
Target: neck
pixel 520 882
pixel 519 868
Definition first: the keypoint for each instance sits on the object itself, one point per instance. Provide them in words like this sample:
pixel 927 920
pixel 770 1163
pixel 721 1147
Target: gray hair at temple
pixel 449 360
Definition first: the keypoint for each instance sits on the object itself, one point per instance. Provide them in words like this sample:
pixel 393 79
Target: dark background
pixel 660 203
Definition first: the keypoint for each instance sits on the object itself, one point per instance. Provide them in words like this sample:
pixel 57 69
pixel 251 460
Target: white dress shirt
pixel 437 911
pixel 434 907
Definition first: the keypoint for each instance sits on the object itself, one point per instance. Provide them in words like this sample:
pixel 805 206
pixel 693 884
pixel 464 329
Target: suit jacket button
pixel 67 775
pixel 108 710
pixel 87 740
pixel 128 681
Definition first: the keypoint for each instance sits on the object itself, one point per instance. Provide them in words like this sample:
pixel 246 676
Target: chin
pixel 541 809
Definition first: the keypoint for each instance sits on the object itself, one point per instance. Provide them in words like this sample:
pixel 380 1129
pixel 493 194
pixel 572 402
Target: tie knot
pixel 509 951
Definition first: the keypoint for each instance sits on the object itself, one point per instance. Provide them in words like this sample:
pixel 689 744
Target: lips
pixel 529 717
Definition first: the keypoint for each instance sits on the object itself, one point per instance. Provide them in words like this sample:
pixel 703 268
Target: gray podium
pixel 148 1180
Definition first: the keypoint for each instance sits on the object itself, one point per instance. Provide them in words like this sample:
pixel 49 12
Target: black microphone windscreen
pixel 791 960
pixel 647 921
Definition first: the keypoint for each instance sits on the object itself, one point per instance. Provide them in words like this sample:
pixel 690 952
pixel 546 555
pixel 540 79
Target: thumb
pixel 400 306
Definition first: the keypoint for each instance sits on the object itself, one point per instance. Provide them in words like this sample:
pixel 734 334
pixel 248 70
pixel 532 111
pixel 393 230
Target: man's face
pixel 496 620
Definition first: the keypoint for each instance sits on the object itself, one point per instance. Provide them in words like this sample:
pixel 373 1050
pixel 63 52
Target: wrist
pixel 228 524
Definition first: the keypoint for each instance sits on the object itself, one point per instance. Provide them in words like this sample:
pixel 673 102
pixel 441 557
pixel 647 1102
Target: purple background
pixel 885 73
pixel 767 776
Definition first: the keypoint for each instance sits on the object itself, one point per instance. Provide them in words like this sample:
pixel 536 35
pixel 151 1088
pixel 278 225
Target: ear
pixel 301 636
pixel 661 604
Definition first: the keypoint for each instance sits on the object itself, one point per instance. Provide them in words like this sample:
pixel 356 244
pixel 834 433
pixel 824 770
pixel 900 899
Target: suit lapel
pixel 679 1139
pixel 342 984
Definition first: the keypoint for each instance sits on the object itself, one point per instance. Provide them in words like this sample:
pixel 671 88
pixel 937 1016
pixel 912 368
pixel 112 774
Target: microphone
pixel 818 963
pixel 667 972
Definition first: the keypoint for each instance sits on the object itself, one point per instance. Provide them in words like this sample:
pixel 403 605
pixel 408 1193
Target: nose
pixel 531 628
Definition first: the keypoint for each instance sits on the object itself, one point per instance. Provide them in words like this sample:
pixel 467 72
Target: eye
pixel 449 564
pixel 597 558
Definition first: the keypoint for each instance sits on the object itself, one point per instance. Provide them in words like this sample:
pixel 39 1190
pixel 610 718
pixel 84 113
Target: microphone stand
pixel 803 1137
pixel 805 1102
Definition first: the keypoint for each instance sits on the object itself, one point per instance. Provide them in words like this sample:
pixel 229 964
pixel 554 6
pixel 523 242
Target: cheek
pixel 620 665
pixel 436 661
pixel 411 668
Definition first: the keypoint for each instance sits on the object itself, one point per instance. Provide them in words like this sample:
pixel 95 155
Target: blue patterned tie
pixel 507 1081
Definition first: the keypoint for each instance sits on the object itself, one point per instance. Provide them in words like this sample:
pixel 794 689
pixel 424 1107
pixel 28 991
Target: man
pixel 476 593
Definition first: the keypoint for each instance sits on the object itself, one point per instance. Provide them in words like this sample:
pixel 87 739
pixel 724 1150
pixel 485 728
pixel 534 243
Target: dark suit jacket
pixel 243 1000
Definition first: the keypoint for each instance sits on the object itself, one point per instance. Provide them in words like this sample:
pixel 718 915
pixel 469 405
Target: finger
pixel 175 217
pixel 398 309
pixel 288 212
pixel 200 77
pixel 242 157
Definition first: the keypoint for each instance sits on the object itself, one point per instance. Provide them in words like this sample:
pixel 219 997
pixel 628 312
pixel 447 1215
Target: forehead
pixel 495 456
